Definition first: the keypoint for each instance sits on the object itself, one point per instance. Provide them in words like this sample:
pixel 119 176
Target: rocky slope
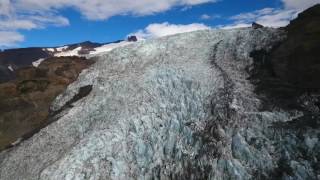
pixel 25 101
pixel 221 108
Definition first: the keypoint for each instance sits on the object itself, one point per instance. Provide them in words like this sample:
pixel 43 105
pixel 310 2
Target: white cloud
pixel 52 20
pixel 205 17
pixel 271 17
pixel 18 15
pixel 278 18
pixel 9 39
pixel 208 17
pixel 5 7
pixel 104 9
pixel 12 24
pixel 165 29
pixel 299 4
pixel 267 17
pixel 234 26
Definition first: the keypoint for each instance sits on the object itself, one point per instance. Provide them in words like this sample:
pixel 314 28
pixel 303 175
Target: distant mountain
pixel 13 59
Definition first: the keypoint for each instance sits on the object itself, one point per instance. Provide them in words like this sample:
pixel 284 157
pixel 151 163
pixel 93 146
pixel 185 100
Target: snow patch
pixel 109 47
pixel 38 62
pixel 59 49
pixel 16 142
pixel 10 68
pixel 74 52
pixel 50 49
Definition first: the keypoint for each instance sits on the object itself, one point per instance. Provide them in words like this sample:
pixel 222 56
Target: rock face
pixel 297 59
pixel 256 25
pixel 175 109
pixel 25 101
pixel 132 39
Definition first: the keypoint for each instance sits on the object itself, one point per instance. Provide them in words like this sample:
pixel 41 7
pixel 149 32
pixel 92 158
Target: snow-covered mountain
pixel 85 51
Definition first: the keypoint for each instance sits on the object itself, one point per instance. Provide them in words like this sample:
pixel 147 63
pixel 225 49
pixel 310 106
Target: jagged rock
pixel 132 39
pixel 256 25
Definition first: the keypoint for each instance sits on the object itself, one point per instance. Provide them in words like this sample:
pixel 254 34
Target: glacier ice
pixel 178 107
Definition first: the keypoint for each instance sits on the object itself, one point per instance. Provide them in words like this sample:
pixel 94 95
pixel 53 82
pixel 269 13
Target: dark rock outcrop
pixel 132 39
pixel 256 25
pixel 5 74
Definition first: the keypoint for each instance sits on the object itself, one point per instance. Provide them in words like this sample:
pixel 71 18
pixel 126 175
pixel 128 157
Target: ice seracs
pixel 178 107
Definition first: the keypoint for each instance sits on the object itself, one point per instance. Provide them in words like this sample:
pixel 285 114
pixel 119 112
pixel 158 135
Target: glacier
pixel 177 107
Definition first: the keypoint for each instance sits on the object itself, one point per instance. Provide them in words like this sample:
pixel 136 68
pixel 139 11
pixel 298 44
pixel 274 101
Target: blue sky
pixel 29 23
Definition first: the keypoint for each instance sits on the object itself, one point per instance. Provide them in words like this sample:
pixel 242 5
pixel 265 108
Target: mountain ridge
pixel 13 59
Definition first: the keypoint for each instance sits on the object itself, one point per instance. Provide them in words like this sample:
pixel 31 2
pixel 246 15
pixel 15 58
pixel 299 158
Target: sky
pixel 48 23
